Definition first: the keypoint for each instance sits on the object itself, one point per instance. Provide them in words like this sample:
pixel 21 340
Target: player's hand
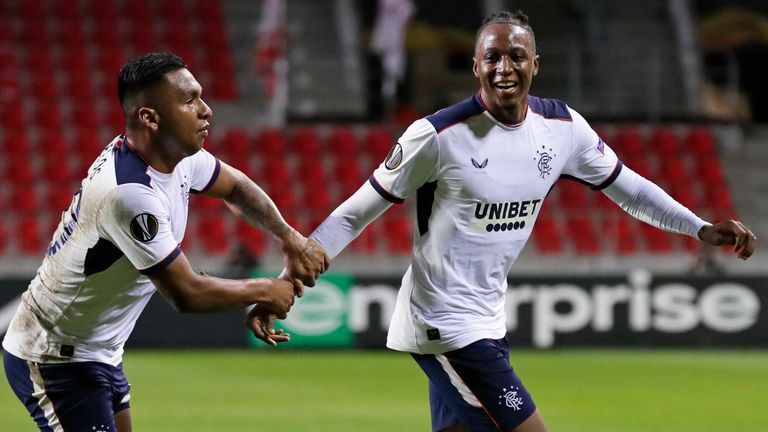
pixel 278 297
pixel 730 232
pixel 304 261
pixel 262 323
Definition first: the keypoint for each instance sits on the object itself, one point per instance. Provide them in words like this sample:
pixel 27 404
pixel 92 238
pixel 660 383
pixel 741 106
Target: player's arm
pixel 304 258
pixel 350 219
pixel 646 201
pixel 188 291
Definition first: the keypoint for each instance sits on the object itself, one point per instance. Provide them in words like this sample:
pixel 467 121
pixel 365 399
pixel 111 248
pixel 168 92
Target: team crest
pixel 144 227
pixel 543 159
pixel 479 165
pixel 511 399
pixel 394 157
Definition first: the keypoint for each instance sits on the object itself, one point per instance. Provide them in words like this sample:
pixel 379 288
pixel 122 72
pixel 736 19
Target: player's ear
pixel 536 65
pixel 148 118
pixel 474 67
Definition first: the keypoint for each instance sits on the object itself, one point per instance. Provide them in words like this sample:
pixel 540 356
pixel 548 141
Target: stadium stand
pixel 306 168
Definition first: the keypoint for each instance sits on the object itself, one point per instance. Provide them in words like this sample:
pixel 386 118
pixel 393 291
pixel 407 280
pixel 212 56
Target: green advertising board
pixel 320 318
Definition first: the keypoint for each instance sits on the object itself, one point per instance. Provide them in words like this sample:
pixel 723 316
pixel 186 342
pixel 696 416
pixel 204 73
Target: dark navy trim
pixel 129 166
pixel 611 178
pixel 552 109
pixel 100 257
pixel 383 192
pixel 214 177
pixel 425 197
pixel 165 262
pixel 456 113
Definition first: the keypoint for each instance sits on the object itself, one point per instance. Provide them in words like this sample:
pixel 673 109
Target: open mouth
pixel 506 86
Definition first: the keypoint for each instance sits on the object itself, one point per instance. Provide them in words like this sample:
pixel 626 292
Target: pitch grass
pixel 368 391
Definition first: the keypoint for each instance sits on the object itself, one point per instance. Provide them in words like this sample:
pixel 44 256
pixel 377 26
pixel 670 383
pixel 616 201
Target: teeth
pixel 505 85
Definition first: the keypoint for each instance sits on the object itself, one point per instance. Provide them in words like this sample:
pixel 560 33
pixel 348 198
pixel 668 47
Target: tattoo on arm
pixel 251 203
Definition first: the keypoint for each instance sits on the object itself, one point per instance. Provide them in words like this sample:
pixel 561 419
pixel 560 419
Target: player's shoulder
pixel 550 109
pixel 129 167
pixel 456 113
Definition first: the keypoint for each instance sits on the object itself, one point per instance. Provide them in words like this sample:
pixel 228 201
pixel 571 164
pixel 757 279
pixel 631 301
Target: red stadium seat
pixel 213 234
pixel 58 197
pixel 673 170
pixel 709 172
pixel 235 145
pixel 656 240
pixel 572 194
pixel 700 142
pixel 284 197
pixel 342 141
pixel 665 143
pixel 305 143
pixel 312 175
pixel 274 173
pixel 397 234
pixel 581 232
pixel 377 142
pixel 28 237
pixel 252 238
pixel 366 242
pixel 547 236
pixel 628 143
pixel 3 238
pixel 347 174
pixel 270 143
pixel 23 199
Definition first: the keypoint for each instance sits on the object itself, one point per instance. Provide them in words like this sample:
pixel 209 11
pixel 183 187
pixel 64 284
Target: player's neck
pixel 152 152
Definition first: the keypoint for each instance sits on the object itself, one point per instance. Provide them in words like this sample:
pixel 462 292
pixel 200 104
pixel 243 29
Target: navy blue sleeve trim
pixel 456 113
pixel 549 108
pixel 165 262
pixel 611 178
pixel 383 192
pixel 213 179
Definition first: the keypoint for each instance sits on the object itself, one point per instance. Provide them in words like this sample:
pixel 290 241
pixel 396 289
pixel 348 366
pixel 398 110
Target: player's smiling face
pixel 505 62
pixel 184 114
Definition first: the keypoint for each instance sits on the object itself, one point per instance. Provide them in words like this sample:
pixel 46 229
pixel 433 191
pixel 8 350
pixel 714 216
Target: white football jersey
pixel 125 222
pixel 478 187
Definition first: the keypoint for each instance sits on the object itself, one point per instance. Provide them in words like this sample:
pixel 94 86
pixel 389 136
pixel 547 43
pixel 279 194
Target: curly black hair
pixel 518 18
pixel 144 71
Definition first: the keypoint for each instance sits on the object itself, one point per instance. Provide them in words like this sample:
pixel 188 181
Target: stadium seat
pixel 270 143
pixel 3 238
pixel 397 234
pixel 377 143
pixel 235 145
pixel 316 202
pixel 628 143
pixel 582 235
pixel 305 143
pixel 58 197
pixel 700 142
pixel 347 174
pixel 665 143
pixel 23 199
pixel 274 173
pixel 656 240
pixel 547 236
pixel 252 238
pixel 28 237
pixel 684 193
pixel 342 141
pixel 213 234
pixel 102 11
pixel 672 170
pixel 366 242
pixel 709 172
pixel 311 174
pixel 283 196
pixel 572 194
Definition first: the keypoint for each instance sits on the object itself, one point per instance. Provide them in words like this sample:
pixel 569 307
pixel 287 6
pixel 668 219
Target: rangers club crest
pixel 144 227
pixel 543 160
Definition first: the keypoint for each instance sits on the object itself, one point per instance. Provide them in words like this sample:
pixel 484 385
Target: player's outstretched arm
pixel 305 260
pixel 730 232
pixel 188 291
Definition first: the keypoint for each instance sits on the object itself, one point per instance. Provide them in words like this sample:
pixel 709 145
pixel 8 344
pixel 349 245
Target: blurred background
pixel 309 95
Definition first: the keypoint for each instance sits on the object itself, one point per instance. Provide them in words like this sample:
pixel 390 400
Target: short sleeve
pixel 205 170
pixel 591 161
pixel 135 220
pixel 411 162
